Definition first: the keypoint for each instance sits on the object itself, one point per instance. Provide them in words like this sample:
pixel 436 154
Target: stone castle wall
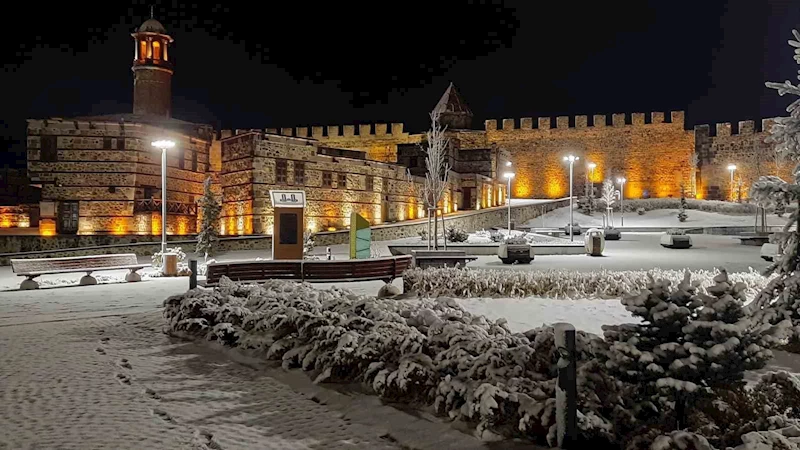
pixel 745 148
pixel 107 166
pixel 653 154
pixel 379 140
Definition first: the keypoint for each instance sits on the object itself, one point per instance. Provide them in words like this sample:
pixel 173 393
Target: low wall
pixel 133 245
pixel 467 220
pixel 35 246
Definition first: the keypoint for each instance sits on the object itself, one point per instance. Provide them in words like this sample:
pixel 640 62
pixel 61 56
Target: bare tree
pixel 438 172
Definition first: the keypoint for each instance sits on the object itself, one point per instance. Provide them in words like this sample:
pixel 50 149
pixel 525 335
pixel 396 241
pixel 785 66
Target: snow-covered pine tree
pixel 780 207
pixel 210 222
pixel 608 198
pixel 687 342
pixel 682 210
pixel 780 299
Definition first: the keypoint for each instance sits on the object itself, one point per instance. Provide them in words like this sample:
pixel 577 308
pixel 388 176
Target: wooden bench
pixel 441 258
pixel 313 271
pixel 32 268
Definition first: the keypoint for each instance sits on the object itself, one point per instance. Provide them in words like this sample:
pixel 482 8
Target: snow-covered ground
pixel 655 218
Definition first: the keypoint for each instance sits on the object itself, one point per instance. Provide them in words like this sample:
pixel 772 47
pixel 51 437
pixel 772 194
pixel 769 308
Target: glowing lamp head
pixel 571 158
pixel 509 175
pixel 732 167
pixel 592 165
pixel 621 180
pixel 163 144
pixel 508 163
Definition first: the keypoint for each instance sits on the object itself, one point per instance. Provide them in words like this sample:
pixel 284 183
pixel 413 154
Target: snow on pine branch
pixel 603 284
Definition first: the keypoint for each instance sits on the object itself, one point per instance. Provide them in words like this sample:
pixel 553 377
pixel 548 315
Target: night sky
pixel 240 65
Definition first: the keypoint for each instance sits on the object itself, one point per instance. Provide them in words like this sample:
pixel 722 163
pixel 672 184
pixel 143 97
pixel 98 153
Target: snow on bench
pixel 32 268
pixel 386 269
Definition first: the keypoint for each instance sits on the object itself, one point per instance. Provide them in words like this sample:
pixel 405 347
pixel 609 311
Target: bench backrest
pixel 73 262
pixel 310 270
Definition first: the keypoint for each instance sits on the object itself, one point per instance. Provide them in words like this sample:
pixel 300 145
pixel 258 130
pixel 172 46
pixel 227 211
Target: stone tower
pixel 152 70
pixel 454 112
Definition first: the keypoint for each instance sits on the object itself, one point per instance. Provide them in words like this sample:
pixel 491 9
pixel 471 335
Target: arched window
pixel 156 50
pixel 142 49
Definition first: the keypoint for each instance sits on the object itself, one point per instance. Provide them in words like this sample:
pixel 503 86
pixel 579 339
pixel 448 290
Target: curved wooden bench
pixel 32 268
pixel 313 271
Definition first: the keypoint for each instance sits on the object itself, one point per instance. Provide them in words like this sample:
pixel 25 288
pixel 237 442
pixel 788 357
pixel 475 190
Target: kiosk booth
pixel 287 235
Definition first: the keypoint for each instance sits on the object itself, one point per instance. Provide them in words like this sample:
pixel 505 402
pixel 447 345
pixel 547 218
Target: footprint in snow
pixel 124 363
pixel 205 440
pixel 124 379
pixel 163 415
pixel 100 350
pixel 152 394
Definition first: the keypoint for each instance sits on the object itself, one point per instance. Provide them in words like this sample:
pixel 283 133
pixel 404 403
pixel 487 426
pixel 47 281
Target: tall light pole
pixel 621 181
pixel 591 184
pixel 509 176
pixel 163 144
pixel 732 168
pixel 571 159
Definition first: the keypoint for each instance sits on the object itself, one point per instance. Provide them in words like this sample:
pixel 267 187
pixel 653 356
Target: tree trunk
pixel 429 228
pixel 444 231
pixel 435 229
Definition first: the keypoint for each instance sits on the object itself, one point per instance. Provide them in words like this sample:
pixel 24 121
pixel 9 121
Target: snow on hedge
pixel 714 206
pixel 421 351
pixel 466 282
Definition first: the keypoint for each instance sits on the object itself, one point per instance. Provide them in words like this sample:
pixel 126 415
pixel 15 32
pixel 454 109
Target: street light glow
pixel 508 163
pixel 509 174
pixel 571 158
pixel 164 143
pixel 621 180
pixel 732 167
pixel 592 165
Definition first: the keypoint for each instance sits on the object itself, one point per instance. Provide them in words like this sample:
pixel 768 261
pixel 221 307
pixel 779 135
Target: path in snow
pixel 655 218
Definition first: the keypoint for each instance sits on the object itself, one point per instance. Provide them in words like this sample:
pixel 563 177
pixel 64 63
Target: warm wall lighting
pixel 118 226
pixel 47 227
pixel 331 228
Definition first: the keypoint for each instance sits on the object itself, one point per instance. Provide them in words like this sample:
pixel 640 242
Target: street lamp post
pixel 571 159
pixel 163 145
pixel 591 186
pixel 732 168
pixel 509 176
pixel 621 182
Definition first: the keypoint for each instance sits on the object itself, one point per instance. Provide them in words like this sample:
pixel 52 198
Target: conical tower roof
pixel 452 102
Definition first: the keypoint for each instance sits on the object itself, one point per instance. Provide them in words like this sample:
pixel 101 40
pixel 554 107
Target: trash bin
pixel 595 242
pixel 170 264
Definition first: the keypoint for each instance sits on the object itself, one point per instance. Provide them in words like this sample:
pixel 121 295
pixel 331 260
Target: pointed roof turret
pixel 453 110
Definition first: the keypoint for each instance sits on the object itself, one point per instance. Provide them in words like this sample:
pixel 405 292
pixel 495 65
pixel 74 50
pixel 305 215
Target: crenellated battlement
pixel 362 131
pixel 726 129
pixel 582 121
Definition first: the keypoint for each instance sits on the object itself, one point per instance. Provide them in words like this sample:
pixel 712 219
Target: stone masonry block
pixel 678 117
pixel 724 129
pixel 599 120
pixel 508 124
pixel 301 131
pixel 316 132
pixel 766 124
pixel 490 125
pixel 364 130
pixel 272 131
pixel 380 129
pixel 657 117
pixel 581 121
pixel 349 130
pixel 562 122
pixel 544 123
pixel 747 127
pixel 526 123
pixel 618 120
pixel 286 131
pixel 637 119
pixel 333 130
pixel 397 129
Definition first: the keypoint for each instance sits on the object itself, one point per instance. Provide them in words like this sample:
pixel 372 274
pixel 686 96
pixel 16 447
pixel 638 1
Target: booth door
pixel 68 217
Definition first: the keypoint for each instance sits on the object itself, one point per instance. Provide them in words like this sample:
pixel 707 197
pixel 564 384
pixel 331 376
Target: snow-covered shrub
pixel 714 206
pixel 780 208
pixel 676 232
pixel 640 211
pixel 423 235
pixel 686 344
pixel 308 245
pixel 464 282
pixel 682 216
pixel 516 240
pixel 421 351
pixel 157 258
pixel 456 235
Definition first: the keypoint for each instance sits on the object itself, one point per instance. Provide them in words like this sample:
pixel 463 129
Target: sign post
pixel 360 237
pixel 287 237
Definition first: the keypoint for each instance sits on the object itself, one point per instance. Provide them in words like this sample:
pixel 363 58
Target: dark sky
pixel 241 65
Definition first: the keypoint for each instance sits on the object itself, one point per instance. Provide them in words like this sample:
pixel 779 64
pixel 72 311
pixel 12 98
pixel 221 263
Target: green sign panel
pixel 360 237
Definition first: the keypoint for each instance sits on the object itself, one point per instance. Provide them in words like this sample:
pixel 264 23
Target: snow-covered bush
pixel 676 232
pixel 516 240
pixel 157 258
pixel 682 216
pixel 421 351
pixel 308 246
pixel 456 235
pixel 464 282
pixel 210 208
pixel 714 206
pixel 640 211
pixel 423 235
pixel 686 344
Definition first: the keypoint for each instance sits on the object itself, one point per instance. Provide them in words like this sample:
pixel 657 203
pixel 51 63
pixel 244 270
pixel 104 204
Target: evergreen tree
pixel 208 229
pixel 682 211
pixel 687 342
pixel 780 299
pixel 780 207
